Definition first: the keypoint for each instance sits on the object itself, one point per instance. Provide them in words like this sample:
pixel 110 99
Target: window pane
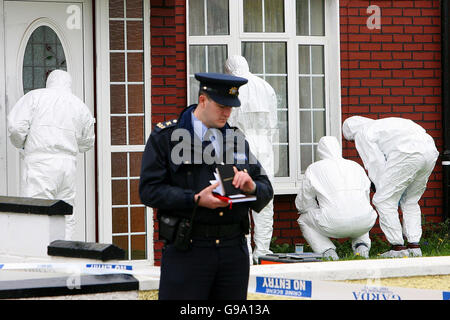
pixel 305 92
pixel 305 157
pixel 204 58
pixel 138 247
pixel 318 92
pixel 302 10
pixel 43 54
pixel 275 53
pixel 197 59
pixel 253 52
pixel 217 56
pixel 317 17
pixel 282 127
pixel 274 15
pixel 196 18
pixel 318 125
pixel 317 59
pixel 281 157
pixel 310 17
pixel 305 127
pixel 303 60
pixel 279 84
pixel 217 23
pixel 269 19
pixel 253 16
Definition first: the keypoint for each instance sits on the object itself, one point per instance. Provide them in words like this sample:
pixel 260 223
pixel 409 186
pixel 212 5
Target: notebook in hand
pixel 225 175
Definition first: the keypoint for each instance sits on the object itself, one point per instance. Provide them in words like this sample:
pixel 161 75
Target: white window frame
pixel 331 44
pixel 104 147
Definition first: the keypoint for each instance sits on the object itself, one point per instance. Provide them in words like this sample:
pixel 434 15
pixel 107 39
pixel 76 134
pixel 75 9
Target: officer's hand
pixel 243 181
pixel 207 198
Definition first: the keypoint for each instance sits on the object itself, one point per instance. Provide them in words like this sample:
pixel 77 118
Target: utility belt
pixel 216 231
pixel 181 231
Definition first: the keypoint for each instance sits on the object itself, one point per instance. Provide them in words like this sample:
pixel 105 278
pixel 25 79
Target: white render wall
pixel 23 234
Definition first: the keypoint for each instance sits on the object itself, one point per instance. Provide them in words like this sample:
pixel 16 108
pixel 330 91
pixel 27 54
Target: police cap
pixel 222 88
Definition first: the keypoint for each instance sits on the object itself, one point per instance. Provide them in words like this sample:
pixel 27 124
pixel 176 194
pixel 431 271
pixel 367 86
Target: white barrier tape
pixel 81 268
pixel 330 290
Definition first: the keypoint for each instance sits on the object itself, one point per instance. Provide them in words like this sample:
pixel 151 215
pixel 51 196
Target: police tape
pixel 81 268
pixel 333 290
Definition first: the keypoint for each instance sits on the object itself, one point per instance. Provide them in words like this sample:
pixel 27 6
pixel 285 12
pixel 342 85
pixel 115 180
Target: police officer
pixel 206 255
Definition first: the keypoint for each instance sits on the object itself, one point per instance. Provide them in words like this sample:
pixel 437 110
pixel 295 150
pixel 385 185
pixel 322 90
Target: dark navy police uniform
pixel 216 265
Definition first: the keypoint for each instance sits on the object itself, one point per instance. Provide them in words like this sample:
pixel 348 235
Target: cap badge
pixel 233 91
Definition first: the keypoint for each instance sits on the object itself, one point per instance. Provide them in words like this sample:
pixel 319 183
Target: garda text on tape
pixel 332 290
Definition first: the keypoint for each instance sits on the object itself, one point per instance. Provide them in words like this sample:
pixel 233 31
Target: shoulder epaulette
pixel 165 124
pixel 237 131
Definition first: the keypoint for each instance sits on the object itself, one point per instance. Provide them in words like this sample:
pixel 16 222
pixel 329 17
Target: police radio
pixel 183 236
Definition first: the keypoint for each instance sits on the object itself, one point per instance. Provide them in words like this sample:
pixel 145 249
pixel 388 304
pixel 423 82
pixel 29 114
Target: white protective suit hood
pixel 353 125
pixel 59 79
pixel 329 148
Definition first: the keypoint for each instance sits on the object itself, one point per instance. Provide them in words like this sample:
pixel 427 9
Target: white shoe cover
pixel 416 252
pixel 395 254
pixel 362 251
pixel 330 254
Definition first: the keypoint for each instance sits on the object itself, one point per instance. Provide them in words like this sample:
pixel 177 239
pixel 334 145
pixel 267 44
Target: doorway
pixel 40 36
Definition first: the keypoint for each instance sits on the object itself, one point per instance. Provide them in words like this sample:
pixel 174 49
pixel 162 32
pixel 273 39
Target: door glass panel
pixel 43 54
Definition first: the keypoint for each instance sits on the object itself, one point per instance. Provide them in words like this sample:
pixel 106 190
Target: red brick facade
pixel 395 71
pixel 392 71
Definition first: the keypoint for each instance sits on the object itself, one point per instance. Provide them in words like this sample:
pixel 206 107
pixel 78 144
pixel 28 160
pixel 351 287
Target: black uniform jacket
pixel 170 187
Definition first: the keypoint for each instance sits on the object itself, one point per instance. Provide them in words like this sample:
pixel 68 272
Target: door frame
pixel 88 83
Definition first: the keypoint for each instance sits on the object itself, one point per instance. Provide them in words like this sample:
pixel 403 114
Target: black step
pixel 89 250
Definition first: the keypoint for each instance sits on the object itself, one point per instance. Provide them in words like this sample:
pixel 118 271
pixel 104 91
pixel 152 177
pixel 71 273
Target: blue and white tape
pixel 82 268
pixel 333 290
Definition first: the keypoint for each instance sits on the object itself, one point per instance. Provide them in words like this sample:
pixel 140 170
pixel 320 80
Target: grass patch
pixel 434 242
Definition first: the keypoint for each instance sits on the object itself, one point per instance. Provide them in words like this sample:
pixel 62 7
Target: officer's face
pixel 213 115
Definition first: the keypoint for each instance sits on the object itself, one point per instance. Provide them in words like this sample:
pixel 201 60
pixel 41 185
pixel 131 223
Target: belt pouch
pixel 168 228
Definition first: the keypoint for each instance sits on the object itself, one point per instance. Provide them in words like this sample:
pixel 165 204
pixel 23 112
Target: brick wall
pixel 168 59
pixel 395 71
pixel 168 47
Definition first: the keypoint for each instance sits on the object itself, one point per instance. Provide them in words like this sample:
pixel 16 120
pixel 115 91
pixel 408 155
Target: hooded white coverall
pixel 257 119
pixel 399 156
pixel 51 125
pixel 334 200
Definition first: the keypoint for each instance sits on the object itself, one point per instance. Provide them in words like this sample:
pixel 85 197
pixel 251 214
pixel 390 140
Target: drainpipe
pixel 445 16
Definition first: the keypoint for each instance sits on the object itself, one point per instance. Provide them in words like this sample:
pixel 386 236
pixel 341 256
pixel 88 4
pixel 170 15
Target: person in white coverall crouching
pixel 257 119
pixel 334 202
pixel 399 156
pixel 51 125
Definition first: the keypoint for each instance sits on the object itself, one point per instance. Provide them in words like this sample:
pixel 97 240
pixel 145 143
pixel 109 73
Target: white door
pixel 39 37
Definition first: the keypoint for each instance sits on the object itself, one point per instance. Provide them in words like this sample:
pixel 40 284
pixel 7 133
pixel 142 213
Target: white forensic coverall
pixel 334 200
pixel 50 126
pixel 257 119
pixel 399 156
